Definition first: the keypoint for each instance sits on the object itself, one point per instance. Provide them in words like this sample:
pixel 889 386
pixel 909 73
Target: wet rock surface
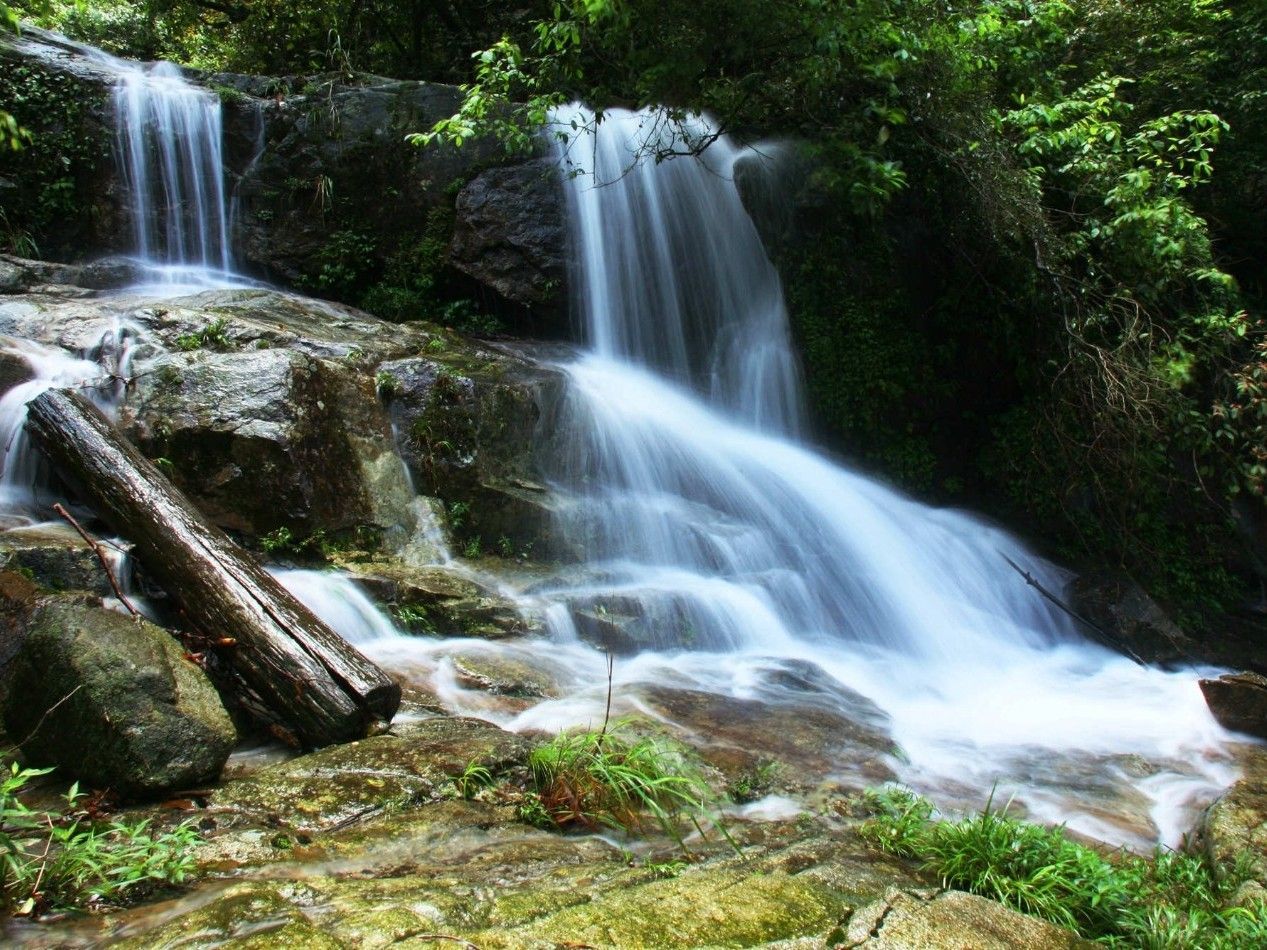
pixel 469 426
pixel 56 557
pixel 441 601
pixel 113 701
pixel 922 919
pixel 1236 824
pixel 342 784
pixel 1239 702
pixel 1131 620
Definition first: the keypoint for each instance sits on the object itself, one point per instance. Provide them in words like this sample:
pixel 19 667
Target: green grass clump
pixel 1168 902
pixel 63 860
pixel 613 778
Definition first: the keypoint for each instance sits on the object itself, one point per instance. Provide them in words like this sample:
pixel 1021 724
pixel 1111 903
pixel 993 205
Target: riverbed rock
pixel 113 701
pixel 1239 702
pixel 785 744
pixel 1236 823
pixel 1131 620
pixel 903 920
pixel 441 601
pixel 342 784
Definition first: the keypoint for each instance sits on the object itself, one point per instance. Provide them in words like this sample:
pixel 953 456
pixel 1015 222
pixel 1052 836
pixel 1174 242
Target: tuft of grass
pixel 63 860
pixel 619 780
pixel 1172 900
pixel 212 335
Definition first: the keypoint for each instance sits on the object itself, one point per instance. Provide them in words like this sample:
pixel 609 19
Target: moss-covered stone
pixel 442 602
pixel 1236 823
pixel 905 921
pixel 54 556
pixel 342 784
pixel 112 700
pixel 469 424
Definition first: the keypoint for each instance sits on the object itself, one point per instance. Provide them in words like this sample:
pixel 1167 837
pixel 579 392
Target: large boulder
pixel 470 425
pixel 254 438
pixel 113 701
pixel 1239 702
pixel 509 235
pixel 275 411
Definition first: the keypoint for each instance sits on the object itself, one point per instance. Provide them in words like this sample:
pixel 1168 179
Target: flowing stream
pixel 739 550
pixel 703 510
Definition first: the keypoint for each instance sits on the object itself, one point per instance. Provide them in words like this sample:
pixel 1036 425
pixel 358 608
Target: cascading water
pixel 169 150
pixel 169 140
pixel 696 503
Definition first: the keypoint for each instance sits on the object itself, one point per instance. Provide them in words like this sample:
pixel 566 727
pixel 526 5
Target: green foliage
pixel 63 860
pixel 474 778
pixel 52 153
pixel 1173 900
pixel 344 263
pixel 212 336
pixel 617 779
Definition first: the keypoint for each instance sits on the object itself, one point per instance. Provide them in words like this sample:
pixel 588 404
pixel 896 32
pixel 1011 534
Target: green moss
pixel 55 207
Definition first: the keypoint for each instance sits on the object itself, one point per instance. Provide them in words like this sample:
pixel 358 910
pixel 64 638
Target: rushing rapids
pixel 695 499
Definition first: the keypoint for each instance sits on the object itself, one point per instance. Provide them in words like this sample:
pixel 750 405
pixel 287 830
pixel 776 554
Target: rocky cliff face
pixel 326 194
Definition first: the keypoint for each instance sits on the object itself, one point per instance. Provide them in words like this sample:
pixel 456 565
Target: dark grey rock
pixel 509 233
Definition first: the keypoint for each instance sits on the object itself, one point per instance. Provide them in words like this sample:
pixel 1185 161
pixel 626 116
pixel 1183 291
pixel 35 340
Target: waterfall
pixel 699 505
pixel 169 151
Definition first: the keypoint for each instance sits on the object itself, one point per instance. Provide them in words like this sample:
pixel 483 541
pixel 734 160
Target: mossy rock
pixel 55 556
pixel 930 921
pixel 442 602
pixel 341 784
pixel 112 700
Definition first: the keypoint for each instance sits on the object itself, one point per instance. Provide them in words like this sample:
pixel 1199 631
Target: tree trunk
pixel 316 686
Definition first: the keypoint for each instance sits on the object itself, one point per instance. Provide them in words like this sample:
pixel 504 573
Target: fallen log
pixel 316 686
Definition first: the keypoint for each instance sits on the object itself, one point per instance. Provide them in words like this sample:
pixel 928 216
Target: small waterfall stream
pixel 696 500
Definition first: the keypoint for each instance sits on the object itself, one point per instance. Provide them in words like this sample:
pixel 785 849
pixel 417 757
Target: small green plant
pixel 279 539
pixel 458 511
pixel 532 811
pixel 413 617
pixel 473 548
pixel 664 869
pixel 165 465
pixel 435 345
pixel 1173 900
pixel 62 860
pixel 505 547
pixel 473 778
pixel 387 384
pixel 211 336
pixel 753 783
pixel 616 779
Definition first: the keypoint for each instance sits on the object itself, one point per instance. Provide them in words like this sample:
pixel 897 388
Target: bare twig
pixel 1101 635
pixel 611 666
pixel 96 549
pixel 48 712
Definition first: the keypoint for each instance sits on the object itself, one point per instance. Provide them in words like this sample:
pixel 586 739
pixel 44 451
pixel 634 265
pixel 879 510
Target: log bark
pixel 316 685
